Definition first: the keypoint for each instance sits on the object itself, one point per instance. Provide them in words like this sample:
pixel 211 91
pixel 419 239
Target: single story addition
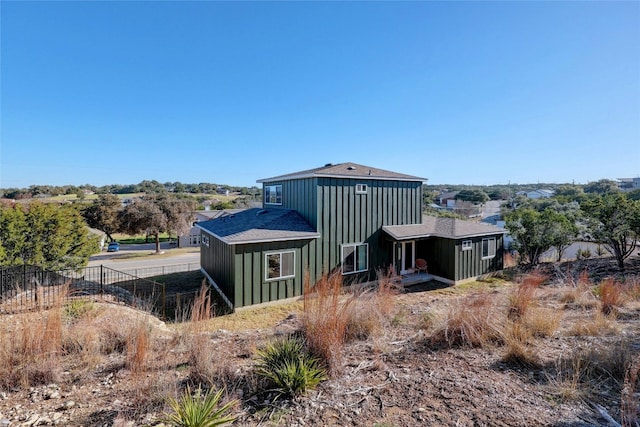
pixel 348 219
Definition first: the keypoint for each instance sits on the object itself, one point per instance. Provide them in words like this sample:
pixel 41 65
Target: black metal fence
pixel 161 270
pixel 25 288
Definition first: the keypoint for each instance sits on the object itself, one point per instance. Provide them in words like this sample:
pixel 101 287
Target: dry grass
pixel 30 351
pixel 326 318
pixel 566 382
pixel 518 347
pixel 202 307
pixel 371 309
pixel 523 297
pixel 612 296
pixel 541 321
pixel 592 370
pixel 471 321
pixel 629 401
pixel 579 296
pixel 137 348
pixel 596 325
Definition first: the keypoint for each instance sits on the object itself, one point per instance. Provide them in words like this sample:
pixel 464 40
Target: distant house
pixel 629 184
pixel 192 237
pixel 539 194
pixel 347 219
pixel 447 199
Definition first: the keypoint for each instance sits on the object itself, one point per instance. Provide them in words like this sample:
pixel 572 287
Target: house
pixel 192 237
pixel 629 184
pixel 346 218
pixel 539 194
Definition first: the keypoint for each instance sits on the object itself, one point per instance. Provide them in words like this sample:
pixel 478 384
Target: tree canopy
pixel 536 232
pixel 104 213
pixel 157 214
pixel 602 186
pixel 53 237
pixel 473 196
pixel 614 220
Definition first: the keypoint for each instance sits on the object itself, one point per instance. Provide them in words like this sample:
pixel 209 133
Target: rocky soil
pixel 396 377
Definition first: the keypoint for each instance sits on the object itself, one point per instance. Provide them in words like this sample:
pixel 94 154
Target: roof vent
pixel 261 211
pixel 351 168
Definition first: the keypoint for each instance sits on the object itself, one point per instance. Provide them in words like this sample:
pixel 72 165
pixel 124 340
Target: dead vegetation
pixel 538 351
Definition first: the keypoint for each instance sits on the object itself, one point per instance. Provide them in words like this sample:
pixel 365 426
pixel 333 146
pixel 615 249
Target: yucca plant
pixel 289 368
pixel 199 410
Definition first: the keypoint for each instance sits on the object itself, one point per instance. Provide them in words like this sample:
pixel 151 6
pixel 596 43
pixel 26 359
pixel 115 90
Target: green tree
pixel 473 196
pixel 104 213
pixel 602 186
pixel 634 195
pixel 614 221
pixel 53 237
pixel 157 214
pixel 536 232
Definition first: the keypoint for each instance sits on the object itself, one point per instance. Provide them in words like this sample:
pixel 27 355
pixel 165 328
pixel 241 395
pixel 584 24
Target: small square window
pixel 273 194
pixel 466 245
pixel 361 188
pixel 205 240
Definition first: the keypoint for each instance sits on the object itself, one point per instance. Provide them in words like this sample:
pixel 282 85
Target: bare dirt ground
pixel 398 376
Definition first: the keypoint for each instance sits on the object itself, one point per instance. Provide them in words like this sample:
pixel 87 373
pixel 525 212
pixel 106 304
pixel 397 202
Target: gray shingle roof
pixel 259 225
pixel 346 170
pixel 450 228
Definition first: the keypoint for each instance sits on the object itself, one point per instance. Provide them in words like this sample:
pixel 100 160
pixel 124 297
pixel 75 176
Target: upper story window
pixel 273 194
pixel 488 247
pixel 361 188
pixel 205 240
pixel 466 245
pixel 280 265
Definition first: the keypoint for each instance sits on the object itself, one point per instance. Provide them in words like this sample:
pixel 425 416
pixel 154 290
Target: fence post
pixel 101 280
pixel 164 303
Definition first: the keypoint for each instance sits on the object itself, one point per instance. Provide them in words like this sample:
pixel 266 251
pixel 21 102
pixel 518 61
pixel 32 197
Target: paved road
pixel 111 260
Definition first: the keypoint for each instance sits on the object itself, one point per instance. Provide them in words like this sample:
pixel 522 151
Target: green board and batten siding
pixel 465 263
pixel 245 283
pixel 342 216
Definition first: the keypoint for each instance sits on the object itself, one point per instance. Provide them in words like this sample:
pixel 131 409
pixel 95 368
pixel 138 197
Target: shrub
pixel 583 254
pixel 289 368
pixel 76 308
pixel 199 410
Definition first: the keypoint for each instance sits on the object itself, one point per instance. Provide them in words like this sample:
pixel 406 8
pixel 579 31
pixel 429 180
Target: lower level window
pixel 489 247
pixel 280 265
pixel 354 258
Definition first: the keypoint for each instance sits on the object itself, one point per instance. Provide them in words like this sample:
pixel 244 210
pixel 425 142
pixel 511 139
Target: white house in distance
pixel 629 184
pixel 536 194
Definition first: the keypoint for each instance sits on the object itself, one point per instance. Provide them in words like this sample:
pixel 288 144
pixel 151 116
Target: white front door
pixel 408 257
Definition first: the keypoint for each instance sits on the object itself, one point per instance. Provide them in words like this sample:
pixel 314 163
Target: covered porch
pixel 410 261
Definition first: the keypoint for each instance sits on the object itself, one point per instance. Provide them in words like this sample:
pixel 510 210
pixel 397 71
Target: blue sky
pixel 231 92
